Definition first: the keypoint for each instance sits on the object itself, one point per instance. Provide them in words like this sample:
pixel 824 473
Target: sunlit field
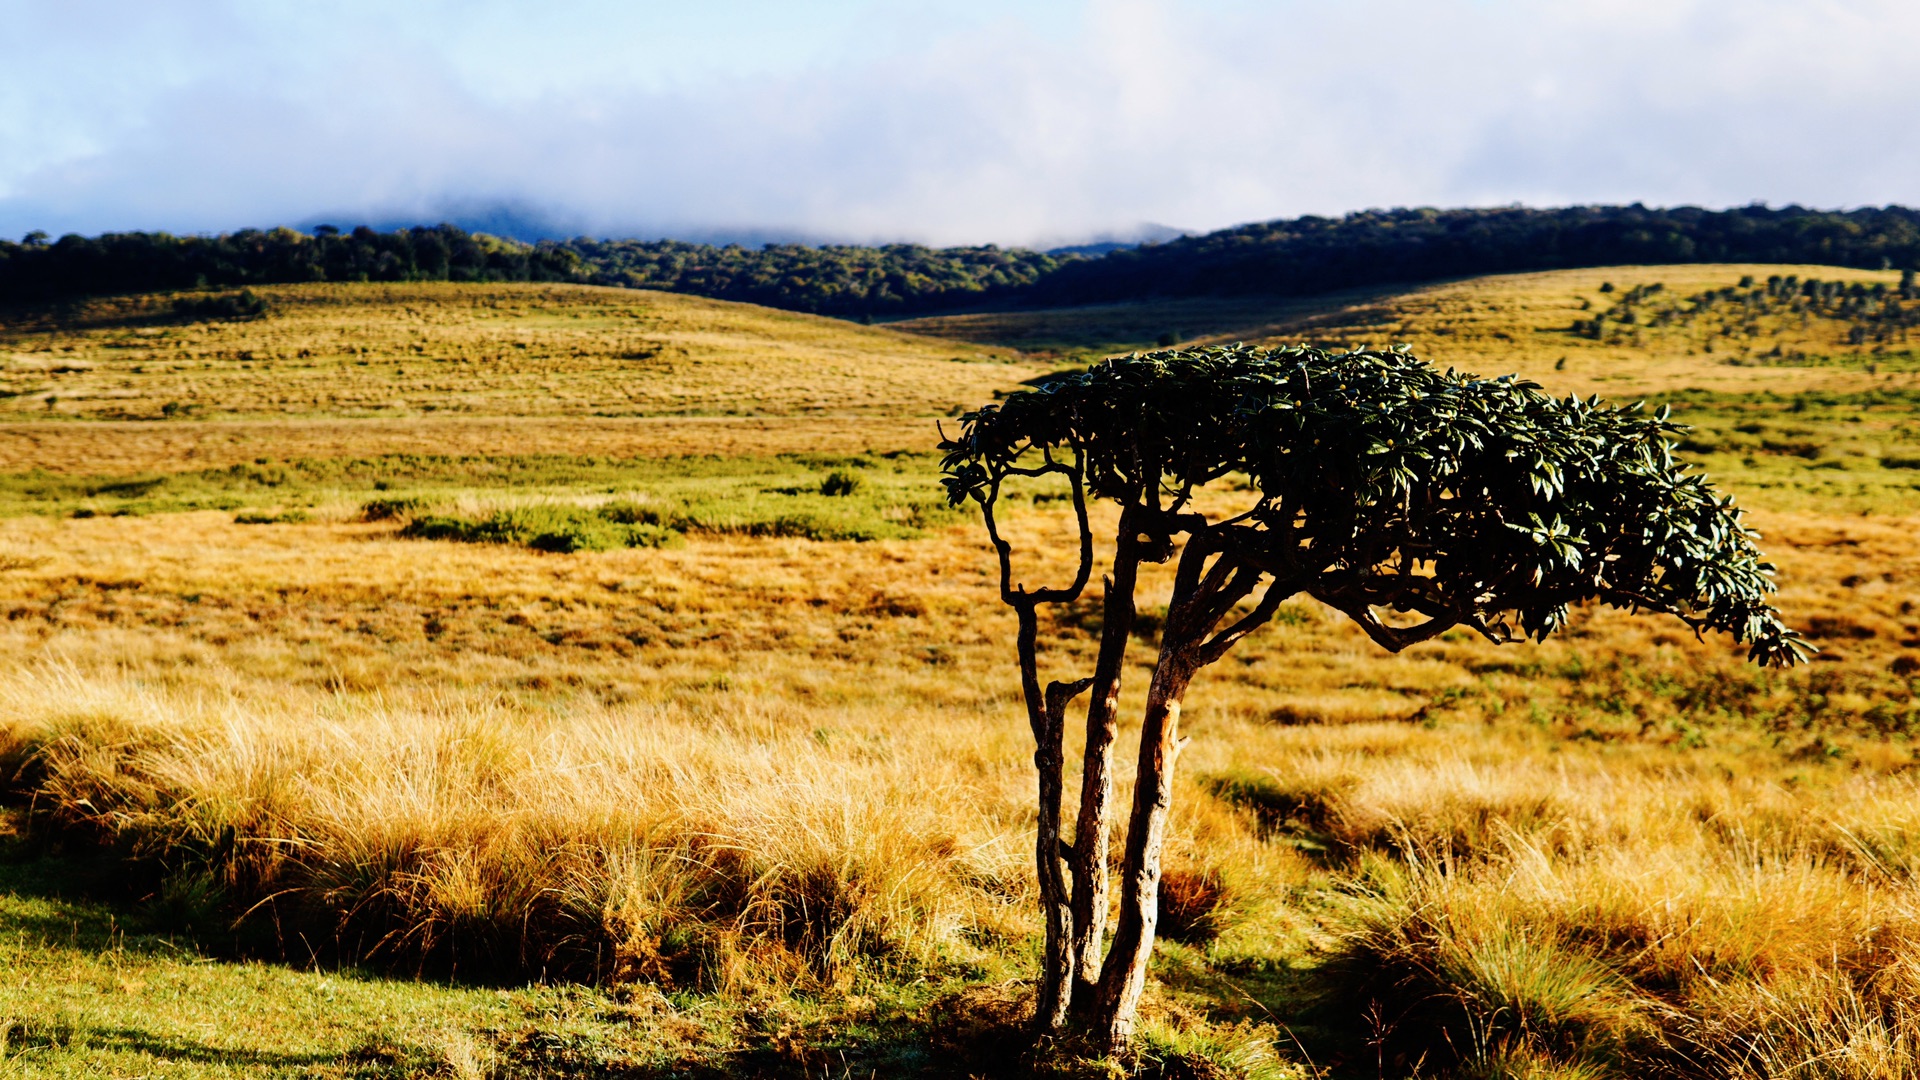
pixel 346 740
pixel 487 350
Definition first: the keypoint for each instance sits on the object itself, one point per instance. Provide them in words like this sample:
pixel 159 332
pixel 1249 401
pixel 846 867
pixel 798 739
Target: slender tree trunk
pixel 1056 980
pixel 1093 830
pixel 1124 975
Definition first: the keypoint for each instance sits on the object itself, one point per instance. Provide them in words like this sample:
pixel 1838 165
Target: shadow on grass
pixel 372 1060
pixel 63 916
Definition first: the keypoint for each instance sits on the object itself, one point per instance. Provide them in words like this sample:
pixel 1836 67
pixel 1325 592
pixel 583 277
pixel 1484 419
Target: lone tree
pixel 1412 500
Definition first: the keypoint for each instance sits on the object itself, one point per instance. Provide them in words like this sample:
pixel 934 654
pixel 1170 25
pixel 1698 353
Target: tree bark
pixel 1124 976
pixel 1056 979
pixel 1092 832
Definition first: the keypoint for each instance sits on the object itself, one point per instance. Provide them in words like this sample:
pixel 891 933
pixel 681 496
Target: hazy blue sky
pixel 941 121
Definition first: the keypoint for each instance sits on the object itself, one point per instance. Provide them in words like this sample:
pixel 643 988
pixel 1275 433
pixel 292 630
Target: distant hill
pixel 1293 257
pixel 1307 255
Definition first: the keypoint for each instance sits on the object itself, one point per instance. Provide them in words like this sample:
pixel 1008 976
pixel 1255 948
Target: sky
pixel 1036 122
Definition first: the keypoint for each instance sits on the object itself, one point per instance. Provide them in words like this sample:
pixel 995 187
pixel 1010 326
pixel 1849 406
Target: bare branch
pixel 1060 694
pixel 1390 638
pixel 1217 646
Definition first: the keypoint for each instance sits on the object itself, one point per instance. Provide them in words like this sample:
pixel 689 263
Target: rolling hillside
pixel 1664 328
pixel 485 680
pixel 524 350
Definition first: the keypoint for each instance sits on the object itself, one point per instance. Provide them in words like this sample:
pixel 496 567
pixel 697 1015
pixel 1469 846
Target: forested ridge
pixel 1286 257
pixel 1315 254
pixel 833 279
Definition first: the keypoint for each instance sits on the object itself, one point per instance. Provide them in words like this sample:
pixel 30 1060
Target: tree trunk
pixel 1056 979
pixel 1093 830
pixel 1124 976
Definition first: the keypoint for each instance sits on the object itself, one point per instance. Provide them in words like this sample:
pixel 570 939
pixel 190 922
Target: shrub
pixel 245 304
pixel 1195 906
pixel 840 483
pixel 627 512
pixel 389 509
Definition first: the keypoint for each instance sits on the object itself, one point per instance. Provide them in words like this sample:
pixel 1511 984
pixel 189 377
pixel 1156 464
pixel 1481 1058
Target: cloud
pixel 1000 125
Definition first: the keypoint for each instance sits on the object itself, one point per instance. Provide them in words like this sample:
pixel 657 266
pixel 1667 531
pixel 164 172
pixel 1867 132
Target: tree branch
pixel 1217 646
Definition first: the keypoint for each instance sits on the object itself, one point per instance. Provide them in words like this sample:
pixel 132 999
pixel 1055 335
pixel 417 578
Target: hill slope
pixel 529 350
pixel 1621 330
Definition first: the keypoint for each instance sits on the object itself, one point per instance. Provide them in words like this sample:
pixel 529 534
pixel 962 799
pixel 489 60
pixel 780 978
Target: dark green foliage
pixel 831 280
pixel 840 483
pixel 151 262
pixel 389 509
pixel 245 304
pixel 1315 254
pixel 1382 482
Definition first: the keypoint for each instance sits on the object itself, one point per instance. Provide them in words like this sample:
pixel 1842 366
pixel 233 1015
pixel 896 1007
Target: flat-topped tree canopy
pixel 1381 482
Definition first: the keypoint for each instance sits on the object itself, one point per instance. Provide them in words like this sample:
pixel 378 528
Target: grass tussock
pixel 710 852
pixel 1671 951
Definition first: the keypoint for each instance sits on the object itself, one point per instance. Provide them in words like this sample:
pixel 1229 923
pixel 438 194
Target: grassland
pixel 317 797
pixel 1522 323
pixel 488 350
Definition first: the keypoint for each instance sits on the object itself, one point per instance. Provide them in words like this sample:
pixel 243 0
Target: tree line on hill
pixel 1289 257
pixel 837 279
pixel 1375 247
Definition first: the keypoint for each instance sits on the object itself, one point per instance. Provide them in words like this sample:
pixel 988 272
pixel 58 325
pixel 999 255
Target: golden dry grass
pixel 486 350
pixel 756 770
pixel 1521 322
pixel 105 447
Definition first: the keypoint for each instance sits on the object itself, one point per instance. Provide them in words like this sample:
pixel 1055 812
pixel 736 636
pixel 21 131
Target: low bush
pixel 263 517
pixel 840 483
pixel 390 509
pixel 245 304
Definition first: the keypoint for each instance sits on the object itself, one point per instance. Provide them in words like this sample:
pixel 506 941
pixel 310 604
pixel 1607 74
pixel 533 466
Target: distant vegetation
pixel 1874 313
pixel 1287 257
pixel 834 280
pixel 1314 254
pixel 150 262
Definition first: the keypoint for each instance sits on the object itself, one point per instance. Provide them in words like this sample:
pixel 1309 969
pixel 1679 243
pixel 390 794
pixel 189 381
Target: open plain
pixel 532 680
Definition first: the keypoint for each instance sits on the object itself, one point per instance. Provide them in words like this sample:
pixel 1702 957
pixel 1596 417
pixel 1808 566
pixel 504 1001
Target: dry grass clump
pixel 720 850
pixel 1670 950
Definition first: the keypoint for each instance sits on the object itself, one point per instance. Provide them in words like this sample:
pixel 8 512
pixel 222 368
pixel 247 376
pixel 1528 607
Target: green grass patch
pixel 615 502
pixel 548 528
